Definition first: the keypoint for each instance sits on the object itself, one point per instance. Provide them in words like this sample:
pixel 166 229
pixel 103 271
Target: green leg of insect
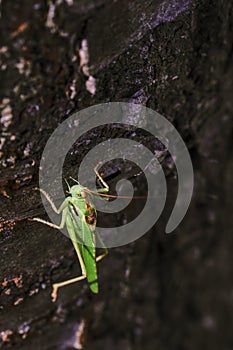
pixel 58 211
pixel 62 209
pixel 100 257
pixel 56 286
pixel 105 188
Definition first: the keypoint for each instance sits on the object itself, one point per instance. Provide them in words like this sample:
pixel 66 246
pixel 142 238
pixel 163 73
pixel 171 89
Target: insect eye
pixel 78 194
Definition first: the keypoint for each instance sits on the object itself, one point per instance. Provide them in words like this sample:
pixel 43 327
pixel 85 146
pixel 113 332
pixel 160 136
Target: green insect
pixel 79 216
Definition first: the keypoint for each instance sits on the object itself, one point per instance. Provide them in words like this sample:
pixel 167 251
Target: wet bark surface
pixel 162 291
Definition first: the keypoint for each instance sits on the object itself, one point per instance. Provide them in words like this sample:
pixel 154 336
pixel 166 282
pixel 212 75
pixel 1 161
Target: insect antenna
pixel 124 197
pixel 74 180
pixel 113 196
pixel 67 183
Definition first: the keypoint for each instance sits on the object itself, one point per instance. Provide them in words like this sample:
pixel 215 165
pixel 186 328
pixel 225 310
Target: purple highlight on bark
pixel 169 10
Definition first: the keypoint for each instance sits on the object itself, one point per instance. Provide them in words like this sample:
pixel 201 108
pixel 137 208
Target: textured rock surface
pixel 163 291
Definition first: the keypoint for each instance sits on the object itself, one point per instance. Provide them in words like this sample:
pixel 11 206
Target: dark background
pixel 163 291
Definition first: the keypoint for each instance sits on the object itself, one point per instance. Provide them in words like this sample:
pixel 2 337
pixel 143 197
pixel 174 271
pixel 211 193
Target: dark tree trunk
pixel 162 291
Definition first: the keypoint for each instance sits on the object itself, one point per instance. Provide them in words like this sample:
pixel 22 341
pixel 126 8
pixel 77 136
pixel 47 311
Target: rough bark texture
pixel 163 291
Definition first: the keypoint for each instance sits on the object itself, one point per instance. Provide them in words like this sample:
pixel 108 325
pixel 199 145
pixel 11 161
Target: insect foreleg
pixel 105 188
pixel 62 224
pixel 58 211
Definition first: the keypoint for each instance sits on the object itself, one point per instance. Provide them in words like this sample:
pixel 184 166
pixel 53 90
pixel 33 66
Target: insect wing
pixel 89 255
pixel 85 233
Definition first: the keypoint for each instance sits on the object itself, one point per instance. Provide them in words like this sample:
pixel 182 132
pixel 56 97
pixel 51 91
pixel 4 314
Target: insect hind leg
pixel 56 286
pixel 101 256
